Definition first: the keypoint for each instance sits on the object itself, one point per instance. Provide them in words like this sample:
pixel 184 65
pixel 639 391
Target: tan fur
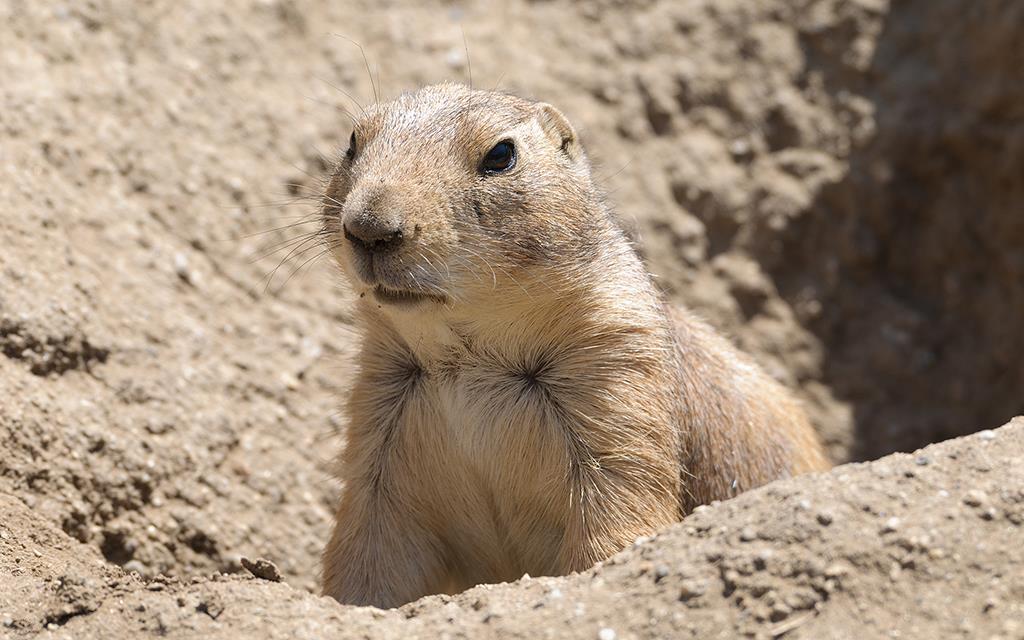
pixel 543 407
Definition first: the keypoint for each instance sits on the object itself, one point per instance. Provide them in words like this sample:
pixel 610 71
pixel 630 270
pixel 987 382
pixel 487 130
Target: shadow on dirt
pixel 917 256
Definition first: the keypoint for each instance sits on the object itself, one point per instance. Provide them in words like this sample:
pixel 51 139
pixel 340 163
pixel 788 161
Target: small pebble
pixel 290 381
pixel 606 634
pixel 892 524
pixel 824 518
pixel 660 572
pixel 739 147
pixel 181 266
pixel 134 566
pixel 691 589
pixel 895 571
pixel 974 498
pixel 987 434
pixel 836 570
pixel 748 534
pixel 262 568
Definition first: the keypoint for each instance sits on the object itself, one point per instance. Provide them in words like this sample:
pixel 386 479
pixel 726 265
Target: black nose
pixel 373 234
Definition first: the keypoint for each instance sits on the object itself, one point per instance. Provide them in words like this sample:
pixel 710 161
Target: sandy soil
pixel 836 184
pixel 915 546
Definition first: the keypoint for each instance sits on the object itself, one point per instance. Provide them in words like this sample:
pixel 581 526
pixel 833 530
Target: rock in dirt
pixel 262 569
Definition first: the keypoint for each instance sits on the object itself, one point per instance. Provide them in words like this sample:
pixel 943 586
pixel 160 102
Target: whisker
pixel 498 83
pixel 292 274
pixel 343 92
pixel 302 221
pixel 337 202
pixel 469 63
pixel 366 62
pixel 297 252
pixel 291 202
pixel 298 185
pixel 333 106
pixel 294 243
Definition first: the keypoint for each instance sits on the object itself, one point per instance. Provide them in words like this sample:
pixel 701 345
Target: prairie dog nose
pixel 372 233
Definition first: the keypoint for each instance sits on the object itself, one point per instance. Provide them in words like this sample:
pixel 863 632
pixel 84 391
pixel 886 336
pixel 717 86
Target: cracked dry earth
pixel 821 179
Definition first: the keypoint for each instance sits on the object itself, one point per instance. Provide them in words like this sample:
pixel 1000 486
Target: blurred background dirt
pixel 837 184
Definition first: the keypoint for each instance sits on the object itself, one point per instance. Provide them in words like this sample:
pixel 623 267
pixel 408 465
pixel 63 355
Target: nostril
pixel 351 237
pixel 394 239
pixel 387 241
pixel 373 239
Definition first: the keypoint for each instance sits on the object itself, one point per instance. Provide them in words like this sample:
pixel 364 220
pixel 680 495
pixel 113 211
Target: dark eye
pixel 351 152
pixel 501 157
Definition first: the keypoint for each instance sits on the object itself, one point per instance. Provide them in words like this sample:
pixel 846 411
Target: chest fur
pixel 504 420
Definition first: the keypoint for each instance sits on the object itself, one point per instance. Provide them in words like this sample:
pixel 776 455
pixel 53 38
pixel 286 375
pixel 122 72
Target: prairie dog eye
pixel 501 158
pixel 351 151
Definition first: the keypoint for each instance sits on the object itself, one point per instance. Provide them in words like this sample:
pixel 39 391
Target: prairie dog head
pixel 450 196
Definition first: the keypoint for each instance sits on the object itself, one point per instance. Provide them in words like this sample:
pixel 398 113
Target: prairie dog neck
pixel 527 311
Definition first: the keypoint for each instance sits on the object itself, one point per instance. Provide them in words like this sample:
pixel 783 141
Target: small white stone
pixel 975 498
pixel 455 58
pixel 290 381
pixel 606 634
pixel 739 147
pixel 181 264
pixel 892 524
pixel 987 434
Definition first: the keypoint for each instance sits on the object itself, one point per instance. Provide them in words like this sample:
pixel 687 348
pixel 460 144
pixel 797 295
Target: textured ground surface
pixel 914 546
pixel 836 184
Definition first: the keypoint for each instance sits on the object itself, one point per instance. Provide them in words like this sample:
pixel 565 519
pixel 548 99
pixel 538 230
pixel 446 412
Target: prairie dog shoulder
pixel 525 402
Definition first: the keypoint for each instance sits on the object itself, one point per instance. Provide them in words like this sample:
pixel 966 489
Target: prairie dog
pixel 525 401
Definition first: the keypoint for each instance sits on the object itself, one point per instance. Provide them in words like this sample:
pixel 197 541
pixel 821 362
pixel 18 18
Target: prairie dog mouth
pixel 399 297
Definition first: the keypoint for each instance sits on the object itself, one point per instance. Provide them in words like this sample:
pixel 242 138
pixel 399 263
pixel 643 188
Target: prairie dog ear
pixel 558 129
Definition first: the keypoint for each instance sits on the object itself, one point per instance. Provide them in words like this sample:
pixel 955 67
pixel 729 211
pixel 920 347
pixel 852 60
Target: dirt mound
pixel 823 180
pixel 918 546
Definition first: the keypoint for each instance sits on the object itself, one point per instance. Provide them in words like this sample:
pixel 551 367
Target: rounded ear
pixel 558 129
